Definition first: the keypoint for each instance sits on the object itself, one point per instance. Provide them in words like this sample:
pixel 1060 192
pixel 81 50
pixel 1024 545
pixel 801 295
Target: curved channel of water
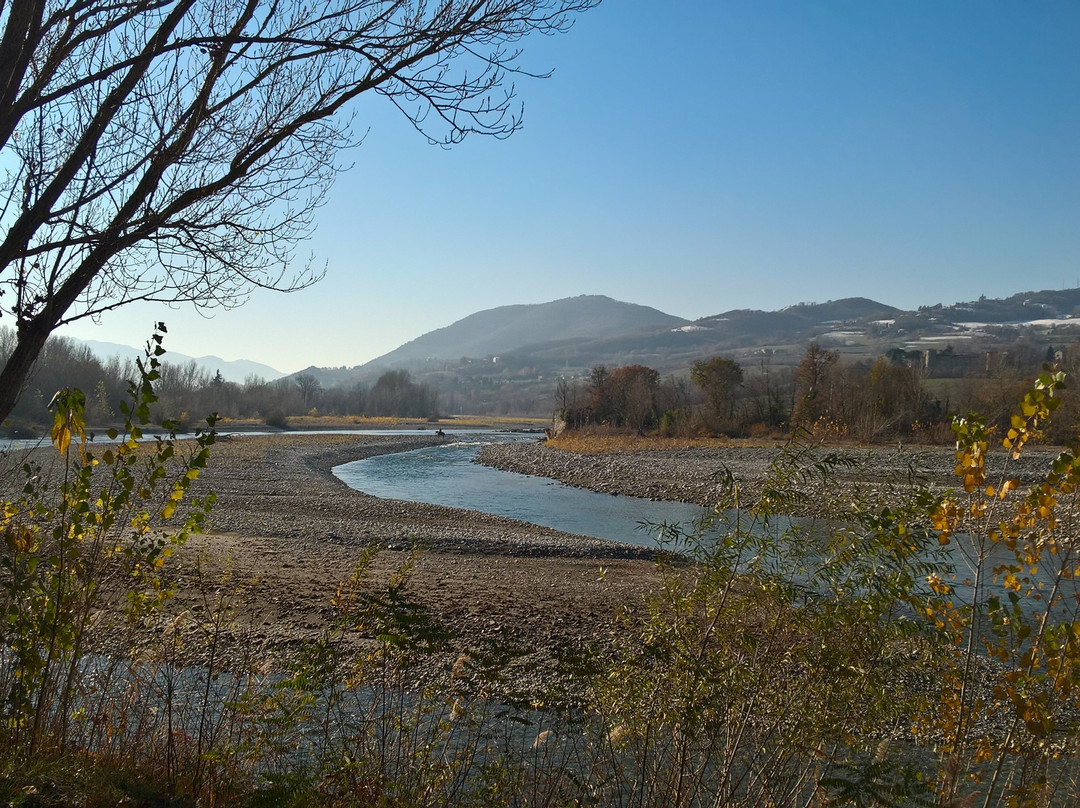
pixel 446 475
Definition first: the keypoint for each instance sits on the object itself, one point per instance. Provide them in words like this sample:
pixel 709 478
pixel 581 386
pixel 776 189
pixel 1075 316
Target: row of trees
pixel 631 396
pixel 186 390
pixel 889 398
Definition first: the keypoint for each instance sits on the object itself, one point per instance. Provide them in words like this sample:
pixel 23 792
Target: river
pixel 446 475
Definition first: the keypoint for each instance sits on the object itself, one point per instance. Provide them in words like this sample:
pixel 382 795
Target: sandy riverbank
pixel 699 475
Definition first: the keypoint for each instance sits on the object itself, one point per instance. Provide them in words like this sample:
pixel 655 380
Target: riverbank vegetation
pixel 907 648
pixel 184 389
pixel 896 397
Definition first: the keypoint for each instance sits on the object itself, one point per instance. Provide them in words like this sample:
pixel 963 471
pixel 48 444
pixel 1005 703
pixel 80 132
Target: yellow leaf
pixel 61 435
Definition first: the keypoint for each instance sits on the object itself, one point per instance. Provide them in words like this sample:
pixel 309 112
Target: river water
pixel 446 475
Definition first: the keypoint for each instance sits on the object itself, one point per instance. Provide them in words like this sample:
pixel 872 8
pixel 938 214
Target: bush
pixel 84 546
pixel 276 419
pixel 908 647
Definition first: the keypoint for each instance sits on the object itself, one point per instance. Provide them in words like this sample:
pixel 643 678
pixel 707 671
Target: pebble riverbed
pixel 698 475
pixel 282 486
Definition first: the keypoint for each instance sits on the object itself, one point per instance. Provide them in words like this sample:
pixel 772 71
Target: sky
pixel 699 156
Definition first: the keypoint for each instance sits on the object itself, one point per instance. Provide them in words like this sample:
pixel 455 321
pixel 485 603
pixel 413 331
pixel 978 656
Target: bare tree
pixel 309 387
pixel 814 379
pixel 177 150
pixel 718 378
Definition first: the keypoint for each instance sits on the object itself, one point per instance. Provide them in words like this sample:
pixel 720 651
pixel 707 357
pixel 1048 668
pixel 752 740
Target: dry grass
pixel 589 442
pixel 496 421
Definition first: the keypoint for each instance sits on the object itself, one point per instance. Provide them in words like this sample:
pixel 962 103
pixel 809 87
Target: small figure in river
pixel 439 433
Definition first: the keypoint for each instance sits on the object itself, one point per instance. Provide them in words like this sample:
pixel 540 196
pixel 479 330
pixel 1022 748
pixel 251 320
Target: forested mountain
pixel 1020 308
pixel 580 332
pixel 575 334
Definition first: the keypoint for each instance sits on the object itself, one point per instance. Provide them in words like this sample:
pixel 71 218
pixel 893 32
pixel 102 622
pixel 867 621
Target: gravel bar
pixel 282 486
pixel 697 475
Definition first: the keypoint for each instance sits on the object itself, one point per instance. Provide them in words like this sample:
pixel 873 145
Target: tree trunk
pixel 18 366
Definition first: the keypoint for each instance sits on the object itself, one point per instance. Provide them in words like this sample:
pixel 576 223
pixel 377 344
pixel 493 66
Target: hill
pixel 506 329
pixel 506 359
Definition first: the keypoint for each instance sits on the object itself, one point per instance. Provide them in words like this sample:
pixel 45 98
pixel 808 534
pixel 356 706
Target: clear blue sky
pixel 699 156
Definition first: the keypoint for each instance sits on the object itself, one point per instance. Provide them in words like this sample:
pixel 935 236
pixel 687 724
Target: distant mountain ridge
pixel 1019 308
pixel 234 370
pixel 529 343
pixel 512 344
pixel 505 329
pixel 581 332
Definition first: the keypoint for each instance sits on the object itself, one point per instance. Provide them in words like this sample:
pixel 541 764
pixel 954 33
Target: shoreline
pixel 263 482
pixel 285 533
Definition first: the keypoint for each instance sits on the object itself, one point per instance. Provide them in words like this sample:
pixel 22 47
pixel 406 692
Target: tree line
pixel 892 397
pixel 187 392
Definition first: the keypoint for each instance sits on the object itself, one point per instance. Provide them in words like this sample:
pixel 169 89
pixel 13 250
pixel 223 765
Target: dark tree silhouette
pixel 813 378
pixel 718 378
pixel 176 150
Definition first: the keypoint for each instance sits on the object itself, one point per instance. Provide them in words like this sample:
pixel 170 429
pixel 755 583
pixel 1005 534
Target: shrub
pixel 911 647
pixel 84 546
pixel 758 669
pixel 276 419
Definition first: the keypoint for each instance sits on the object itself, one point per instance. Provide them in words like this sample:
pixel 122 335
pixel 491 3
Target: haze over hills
pixel 509 328
pixel 527 343
pixel 235 370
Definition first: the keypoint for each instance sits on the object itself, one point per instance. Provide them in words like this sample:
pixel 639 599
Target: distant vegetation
pixel 902 394
pixel 512 360
pixel 185 389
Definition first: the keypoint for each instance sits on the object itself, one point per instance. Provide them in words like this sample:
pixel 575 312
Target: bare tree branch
pixel 177 150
